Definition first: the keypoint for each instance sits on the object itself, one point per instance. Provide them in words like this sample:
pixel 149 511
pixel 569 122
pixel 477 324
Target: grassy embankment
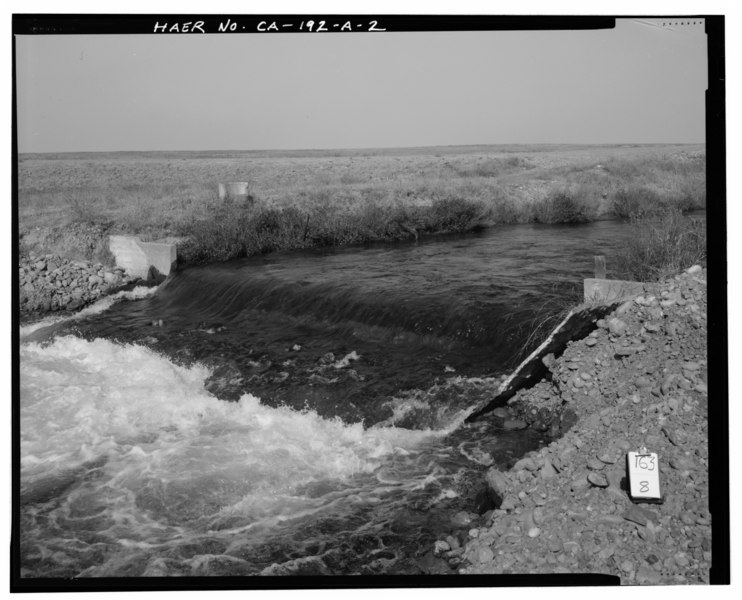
pixel 68 203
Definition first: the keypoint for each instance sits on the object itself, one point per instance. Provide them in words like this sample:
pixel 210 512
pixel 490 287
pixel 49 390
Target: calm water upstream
pixel 288 414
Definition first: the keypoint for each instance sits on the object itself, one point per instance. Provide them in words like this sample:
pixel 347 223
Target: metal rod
pixel 600 267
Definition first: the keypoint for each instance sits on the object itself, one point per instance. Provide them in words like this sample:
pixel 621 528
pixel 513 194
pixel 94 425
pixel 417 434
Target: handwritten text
pixel 231 26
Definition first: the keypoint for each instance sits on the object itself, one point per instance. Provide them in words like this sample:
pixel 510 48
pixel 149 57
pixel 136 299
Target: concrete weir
pixel 148 260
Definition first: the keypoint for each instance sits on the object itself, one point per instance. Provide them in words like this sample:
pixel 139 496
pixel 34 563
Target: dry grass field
pixel 313 198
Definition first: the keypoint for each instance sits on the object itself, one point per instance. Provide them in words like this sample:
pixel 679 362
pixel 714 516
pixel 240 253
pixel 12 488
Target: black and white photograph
pixel 316 300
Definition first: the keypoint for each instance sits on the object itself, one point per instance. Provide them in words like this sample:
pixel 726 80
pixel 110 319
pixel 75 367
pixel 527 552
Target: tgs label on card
pixel 644 476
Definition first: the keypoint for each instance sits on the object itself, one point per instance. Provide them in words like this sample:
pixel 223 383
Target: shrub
pixel 519 162
pixel 562 206
pixel 384 222
pixel 217 237
pixel 485 168
pixel 636 201
pixel 455 215
pixel 691 193
pixel 505 209
pixel 623 169
pixel 662 245
pixel 273 229
pixel 84 207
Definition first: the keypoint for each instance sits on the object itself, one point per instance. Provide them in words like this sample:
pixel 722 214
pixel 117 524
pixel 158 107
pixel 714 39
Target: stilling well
pixel 237 190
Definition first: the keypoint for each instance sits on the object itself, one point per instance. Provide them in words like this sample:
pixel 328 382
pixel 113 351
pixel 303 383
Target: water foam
pixel 83 399
pixel 121 444
pixel 98 307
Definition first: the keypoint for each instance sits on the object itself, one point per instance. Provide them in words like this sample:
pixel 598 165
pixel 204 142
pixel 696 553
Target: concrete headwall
pixel 138 257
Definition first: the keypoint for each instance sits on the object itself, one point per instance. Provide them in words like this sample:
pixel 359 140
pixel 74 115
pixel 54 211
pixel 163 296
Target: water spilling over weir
pixel 288 414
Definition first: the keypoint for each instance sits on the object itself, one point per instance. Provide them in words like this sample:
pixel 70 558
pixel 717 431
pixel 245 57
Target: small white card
pixel 644 476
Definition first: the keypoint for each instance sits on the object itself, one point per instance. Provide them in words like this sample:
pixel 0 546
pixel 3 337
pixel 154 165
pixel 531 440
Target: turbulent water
pixel 293 414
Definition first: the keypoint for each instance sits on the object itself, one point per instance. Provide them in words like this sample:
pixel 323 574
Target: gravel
pixel 640 379
pixel 51 283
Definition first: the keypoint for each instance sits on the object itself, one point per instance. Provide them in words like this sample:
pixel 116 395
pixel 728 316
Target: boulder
pixel 111 278
pixel 497 483
pixel 225 382
pixel 616 326
pixel 548 471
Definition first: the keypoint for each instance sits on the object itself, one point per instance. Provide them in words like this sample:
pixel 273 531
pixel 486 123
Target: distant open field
pixel 312 198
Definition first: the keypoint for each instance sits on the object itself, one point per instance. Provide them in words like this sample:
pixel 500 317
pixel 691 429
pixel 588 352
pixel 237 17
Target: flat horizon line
pixel 369 148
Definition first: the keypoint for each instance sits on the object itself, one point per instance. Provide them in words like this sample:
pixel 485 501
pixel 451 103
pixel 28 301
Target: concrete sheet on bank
pixel 576 325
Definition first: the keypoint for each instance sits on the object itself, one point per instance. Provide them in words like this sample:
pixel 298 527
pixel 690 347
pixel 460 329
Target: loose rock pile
pixel 51 283
pixel 639 379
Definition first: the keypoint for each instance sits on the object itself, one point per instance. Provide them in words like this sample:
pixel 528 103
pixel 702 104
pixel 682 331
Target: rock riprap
pixel 52 283
pixel 638 380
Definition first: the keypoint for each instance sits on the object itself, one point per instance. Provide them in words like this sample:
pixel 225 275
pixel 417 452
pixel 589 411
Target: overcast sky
pixel 637 83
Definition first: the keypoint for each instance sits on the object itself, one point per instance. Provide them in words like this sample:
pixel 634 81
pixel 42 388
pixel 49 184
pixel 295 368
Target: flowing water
pixel 290 414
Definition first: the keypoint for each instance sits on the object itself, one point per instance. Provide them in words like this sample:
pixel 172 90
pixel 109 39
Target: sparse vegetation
pixel 538 326
pixel 663 244
pixel 312 198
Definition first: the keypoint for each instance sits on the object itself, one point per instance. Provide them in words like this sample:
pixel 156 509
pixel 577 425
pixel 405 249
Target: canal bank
pixel 639 380
pixel 358 334
pixel 51 283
